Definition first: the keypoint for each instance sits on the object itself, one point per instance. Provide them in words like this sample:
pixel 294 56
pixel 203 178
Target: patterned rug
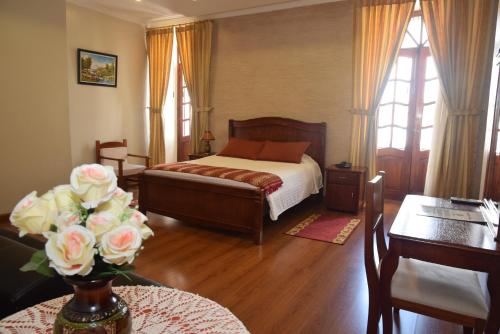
pixel 325 228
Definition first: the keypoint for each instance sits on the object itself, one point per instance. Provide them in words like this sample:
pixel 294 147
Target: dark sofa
pixel 19 290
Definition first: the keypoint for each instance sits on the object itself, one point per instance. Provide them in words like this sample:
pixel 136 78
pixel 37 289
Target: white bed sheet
pixel 299 180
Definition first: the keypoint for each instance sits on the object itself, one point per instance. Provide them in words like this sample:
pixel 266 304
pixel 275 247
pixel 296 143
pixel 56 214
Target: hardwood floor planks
pixel 287 285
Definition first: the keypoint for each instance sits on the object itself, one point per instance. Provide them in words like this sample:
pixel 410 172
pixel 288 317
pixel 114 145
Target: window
pixel 431 90
pixel 394 105
pixel 498 138
pixel 409 99
pixel 184 102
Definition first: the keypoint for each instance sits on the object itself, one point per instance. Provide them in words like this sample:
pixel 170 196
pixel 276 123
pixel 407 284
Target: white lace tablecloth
pixel 153 310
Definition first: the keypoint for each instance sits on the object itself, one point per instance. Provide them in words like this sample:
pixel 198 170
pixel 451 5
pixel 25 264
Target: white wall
pixel 34 125
pixel 106 113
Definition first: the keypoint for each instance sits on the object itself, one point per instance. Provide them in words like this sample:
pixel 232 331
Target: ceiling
pixel 147 11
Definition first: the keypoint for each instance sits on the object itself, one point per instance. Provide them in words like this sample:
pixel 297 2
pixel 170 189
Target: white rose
pixel 66 199
pixel 101 222
pixel 120 200
pixel 71 252
pixel 67 219
pixel 138 219
pixel 94 184
pixel 34 214
pixel 120 245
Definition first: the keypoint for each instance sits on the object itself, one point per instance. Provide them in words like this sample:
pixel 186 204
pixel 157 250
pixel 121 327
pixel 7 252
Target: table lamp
pixel 207 137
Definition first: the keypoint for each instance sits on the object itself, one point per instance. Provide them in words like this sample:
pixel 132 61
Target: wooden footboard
pixel 202 203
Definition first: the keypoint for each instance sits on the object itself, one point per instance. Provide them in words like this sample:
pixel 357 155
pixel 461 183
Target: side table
pixel 345 188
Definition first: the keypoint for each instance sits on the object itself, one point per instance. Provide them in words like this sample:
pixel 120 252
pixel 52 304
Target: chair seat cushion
pixel 130 169
pixel 452 289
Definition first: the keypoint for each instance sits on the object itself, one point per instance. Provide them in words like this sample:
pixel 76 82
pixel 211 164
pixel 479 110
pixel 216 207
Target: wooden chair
pixel 450 294
pixel 115 154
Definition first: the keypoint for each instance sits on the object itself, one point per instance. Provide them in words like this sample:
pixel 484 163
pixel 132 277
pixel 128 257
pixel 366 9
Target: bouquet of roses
pixel 90 228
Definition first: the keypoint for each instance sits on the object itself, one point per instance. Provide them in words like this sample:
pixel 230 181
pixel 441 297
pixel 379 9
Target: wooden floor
pixel 287 285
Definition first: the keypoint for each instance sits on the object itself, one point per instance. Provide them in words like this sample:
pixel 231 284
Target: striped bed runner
pixel 266 181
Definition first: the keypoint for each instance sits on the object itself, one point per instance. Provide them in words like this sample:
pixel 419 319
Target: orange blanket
pixel 265 181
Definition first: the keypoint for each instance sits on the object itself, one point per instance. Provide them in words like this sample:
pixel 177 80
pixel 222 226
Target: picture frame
pixel 97 68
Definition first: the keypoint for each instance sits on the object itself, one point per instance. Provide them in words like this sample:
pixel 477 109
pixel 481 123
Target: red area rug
pixel 325 228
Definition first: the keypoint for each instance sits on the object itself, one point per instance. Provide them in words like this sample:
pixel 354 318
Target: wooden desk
pixel 447 242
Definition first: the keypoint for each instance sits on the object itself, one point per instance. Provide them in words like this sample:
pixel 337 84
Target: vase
pixel 94 308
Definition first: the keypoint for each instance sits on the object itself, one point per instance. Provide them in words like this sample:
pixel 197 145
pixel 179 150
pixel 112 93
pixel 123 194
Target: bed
pixel 234 205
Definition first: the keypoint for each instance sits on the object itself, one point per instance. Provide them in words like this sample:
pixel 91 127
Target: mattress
pixel 299 180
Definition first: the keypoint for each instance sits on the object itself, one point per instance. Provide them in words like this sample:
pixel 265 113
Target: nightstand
pixel 345 188
pixel 195 156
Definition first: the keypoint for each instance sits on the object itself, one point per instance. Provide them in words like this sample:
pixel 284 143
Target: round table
pixel 153 309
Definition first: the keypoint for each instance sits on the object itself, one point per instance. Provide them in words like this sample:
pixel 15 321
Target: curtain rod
pixel 177 25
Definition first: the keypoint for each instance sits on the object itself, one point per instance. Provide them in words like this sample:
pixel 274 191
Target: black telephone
pixel 343 164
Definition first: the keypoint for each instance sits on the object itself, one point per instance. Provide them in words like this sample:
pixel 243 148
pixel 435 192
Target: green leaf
pixel 53 228
pixel 39 263
pixel 112 270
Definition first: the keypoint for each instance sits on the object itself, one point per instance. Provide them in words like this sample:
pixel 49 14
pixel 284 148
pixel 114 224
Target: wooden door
pixel 396 118
pixel 184 112
pixel 427 84
pixel 492 185
pixel 406 115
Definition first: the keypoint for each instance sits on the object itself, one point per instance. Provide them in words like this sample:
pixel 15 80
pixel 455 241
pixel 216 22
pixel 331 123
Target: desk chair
pixel 446 293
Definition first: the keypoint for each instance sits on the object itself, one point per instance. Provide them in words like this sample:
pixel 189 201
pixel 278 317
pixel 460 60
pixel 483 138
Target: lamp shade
pixel 207 135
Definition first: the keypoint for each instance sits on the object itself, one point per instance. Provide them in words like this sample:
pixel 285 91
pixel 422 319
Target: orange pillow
pixel 241 148
pixel 283 151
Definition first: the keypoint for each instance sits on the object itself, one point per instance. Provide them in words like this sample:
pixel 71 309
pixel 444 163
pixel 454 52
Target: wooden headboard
pixel 283 129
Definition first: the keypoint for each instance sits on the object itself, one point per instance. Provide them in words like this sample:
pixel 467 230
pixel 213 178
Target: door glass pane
pixel 428 114
pixel 431 90
pixel 415 27
pixel 185 96
pixel 186 128
pixel 399 138
pixel 384 137
pixel 402 92
pixel 430 69
pixel 392 76
pixel 405 68
pixel 186 111
pixel 408 42
pixel 498 143
pixel 401 115
pixel 425 139
pixel 425 37
pixel 385 115
pixel 388 95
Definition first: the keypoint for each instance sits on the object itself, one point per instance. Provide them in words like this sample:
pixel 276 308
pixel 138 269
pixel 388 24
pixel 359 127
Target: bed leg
pixel 257 237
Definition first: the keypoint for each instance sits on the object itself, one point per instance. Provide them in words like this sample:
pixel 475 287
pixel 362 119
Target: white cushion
pixel 451 289
pixel 114 152
pixel 130 169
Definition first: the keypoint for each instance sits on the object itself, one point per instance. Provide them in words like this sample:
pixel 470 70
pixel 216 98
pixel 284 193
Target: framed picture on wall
pixel 97 68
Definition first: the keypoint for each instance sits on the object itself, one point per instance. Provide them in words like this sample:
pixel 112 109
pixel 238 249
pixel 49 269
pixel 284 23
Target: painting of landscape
pixel 95 68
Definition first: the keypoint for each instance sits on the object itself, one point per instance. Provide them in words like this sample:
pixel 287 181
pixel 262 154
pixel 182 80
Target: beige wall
pixel 34 126
pixel 293 63
pixel 106 113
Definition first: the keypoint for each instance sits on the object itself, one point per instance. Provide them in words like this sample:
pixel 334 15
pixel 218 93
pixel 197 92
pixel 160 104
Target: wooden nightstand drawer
pixel 342 178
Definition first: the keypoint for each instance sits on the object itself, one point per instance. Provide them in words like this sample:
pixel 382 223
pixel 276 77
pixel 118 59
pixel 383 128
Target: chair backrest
pixel 374 229
pixel 112 149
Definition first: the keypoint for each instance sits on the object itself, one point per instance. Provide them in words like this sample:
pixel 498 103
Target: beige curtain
pixel 379 28
pixel 195 49
pixel 461 35
pixel 159 48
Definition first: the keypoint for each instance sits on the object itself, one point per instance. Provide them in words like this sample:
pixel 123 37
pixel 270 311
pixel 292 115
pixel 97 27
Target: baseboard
pixel 4 218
